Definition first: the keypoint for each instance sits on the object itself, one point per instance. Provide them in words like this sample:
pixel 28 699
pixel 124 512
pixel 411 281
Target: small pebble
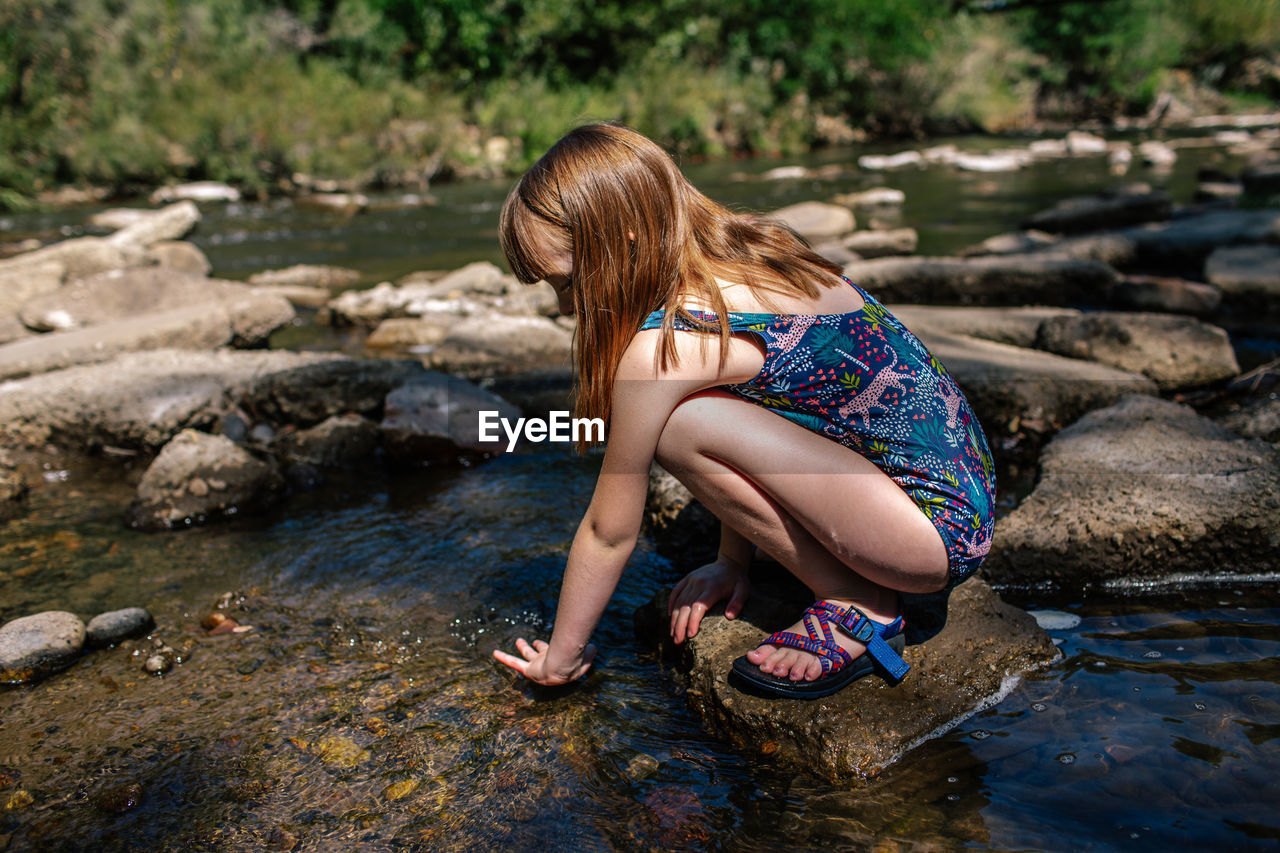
pixel 158 664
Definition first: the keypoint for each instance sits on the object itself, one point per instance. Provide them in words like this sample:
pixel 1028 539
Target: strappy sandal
pixel 884 651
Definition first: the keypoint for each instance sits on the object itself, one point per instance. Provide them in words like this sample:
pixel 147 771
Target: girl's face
pixel 560 275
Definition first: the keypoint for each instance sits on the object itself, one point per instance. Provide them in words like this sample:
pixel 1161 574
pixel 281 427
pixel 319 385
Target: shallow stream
pixel 364 710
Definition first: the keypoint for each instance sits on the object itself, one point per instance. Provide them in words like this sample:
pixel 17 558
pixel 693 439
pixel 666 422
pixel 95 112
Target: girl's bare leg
pixel 831 517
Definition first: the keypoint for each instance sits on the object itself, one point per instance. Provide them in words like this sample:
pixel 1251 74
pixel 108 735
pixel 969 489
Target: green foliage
pixel 136 92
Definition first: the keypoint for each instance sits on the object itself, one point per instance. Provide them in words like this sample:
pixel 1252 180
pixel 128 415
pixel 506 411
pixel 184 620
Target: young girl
pixel 786 398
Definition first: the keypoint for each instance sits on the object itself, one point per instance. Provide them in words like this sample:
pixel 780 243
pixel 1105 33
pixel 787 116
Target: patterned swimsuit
pixel 865 381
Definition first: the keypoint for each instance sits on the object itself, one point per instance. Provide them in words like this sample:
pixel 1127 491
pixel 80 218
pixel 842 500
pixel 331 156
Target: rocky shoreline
pixel 1091 345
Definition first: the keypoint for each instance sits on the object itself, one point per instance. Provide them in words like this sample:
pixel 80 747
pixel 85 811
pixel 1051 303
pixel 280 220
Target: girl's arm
pixel 642 402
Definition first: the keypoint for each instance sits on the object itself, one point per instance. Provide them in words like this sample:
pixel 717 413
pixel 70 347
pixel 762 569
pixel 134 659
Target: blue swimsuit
pixel 865 381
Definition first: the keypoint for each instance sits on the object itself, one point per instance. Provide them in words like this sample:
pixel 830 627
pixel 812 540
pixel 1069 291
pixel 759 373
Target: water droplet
pixel 1038 706
pixel 1153 654
pixel 1067 758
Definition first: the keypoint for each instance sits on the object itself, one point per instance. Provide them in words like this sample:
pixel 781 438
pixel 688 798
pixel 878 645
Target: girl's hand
pixel 698 592
pixel 533 663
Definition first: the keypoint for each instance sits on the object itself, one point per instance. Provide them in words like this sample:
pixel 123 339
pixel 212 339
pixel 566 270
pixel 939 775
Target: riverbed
pixel 364 709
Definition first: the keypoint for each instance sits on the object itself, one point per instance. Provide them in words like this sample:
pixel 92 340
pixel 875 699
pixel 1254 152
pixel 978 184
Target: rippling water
pixel 364 709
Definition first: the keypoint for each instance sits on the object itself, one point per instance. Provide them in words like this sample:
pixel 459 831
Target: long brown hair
pixel 642 238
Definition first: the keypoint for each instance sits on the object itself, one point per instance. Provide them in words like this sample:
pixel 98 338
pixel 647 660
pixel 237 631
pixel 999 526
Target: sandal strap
pixel 867 631
pixel 830 656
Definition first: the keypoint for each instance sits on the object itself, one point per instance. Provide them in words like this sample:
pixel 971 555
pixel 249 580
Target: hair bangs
pixel 527 239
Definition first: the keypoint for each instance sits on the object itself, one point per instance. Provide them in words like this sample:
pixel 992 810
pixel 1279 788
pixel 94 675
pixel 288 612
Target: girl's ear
pixel 631 235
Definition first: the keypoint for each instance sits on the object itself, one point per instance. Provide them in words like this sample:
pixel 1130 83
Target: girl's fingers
pixel 675 594
pixel 540 646
pixel 518 664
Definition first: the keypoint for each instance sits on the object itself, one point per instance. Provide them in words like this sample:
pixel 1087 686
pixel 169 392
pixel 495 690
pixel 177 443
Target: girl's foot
pixel 798 665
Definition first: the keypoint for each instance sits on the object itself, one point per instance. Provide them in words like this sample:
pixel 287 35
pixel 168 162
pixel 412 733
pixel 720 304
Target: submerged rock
pixel 116 625
pixel 39 645
pixel 1176 352
pixel 199 478
pixel 1143 492
pixel 985 648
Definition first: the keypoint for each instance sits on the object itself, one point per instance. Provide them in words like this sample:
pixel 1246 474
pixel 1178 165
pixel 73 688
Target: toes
pixel 759 655
pixel 799 667
pixel 814 670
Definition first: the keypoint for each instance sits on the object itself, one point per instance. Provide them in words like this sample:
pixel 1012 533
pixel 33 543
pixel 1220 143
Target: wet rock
pixel 876 244
pixel 1022 395
pixel 157 664
pixel 1143 492
pixel 435 416
pixel 1176 352
pixel 1014 326
pixel 684 531
pixel 199 478
pixel 1098 212
pixel 985 648
pixel 815 221
pixel 309 393
pixel 36 646
pixel 124 294
pixel 243 321
pixel 996 280
pixel 116 625
pixel 1249 277
pixel 196 191
pixel 180 256
pixel 118 798
pixel 1170 295
pixel 483 346
pixel 13 489
pixel 308 275
pixel 336 442
pixel 141 400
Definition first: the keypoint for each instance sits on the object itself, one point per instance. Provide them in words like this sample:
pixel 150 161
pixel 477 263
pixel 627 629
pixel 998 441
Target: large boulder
pixel 1249 277
pixel 1014 326
pixel 124 294
pixel 816 221
pixel 141 400
pixel 1176 352
pixel 985 648
pixel 37 646
pixel 1143 492
pixel 1020 395
pixel 178 255
pixel 1105 210
pixel 79 257
pixel 995 280
pixel 336 442
pixel 198 478
pixel 437 417
pixel 239 321
pixel 489 344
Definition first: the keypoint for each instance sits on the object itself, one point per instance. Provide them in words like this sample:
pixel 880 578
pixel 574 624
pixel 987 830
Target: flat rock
pixel 116 625
pixel 1249 277
pixel 1185 242
pixel 996 280
pixel 37 646
pixel 196 191
pixel 310 392
pixel 1102 211
pixel 123 294
pixel 815 220
pixel 141 400
pixel 1014 326
pixel 981 654
pixel 243 321
pixel 485 345
pixel 198 478
pixel 1024 395
pixel 168 223
pixel 308 275
pixel 1175 352
pixel 435 417
pixel 1169 295
pixel 1144 492
pixel 336 442
pixel 79 257
pixel 874 197
pixel 877 244
pixel 1011 243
